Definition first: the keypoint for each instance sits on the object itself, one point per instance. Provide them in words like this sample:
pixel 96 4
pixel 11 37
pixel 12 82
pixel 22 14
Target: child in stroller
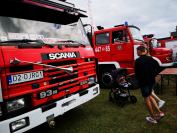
pixel 118 94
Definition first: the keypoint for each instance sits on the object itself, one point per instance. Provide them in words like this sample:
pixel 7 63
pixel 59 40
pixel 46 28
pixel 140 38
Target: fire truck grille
pixel 70 62
pixel 53 81
pixel 60 64
pixel 82 70
pixel 59 76
pixel 60 82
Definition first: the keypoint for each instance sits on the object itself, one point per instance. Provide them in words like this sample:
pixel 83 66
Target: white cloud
pixel 152 16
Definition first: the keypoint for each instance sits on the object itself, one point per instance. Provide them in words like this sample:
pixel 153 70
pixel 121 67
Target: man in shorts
pixel 145 73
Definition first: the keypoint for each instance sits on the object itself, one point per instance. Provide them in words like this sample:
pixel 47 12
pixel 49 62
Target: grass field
pixel 101 116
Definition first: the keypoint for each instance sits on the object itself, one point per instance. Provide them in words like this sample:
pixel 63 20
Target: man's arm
pixel 156 67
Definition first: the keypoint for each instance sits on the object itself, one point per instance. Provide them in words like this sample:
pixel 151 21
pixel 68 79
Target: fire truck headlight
pixel 95 90
pixel 19 124
pixel 91 80
pixel 15 104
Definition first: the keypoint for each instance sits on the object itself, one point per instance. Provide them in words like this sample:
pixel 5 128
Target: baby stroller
pixel 118 93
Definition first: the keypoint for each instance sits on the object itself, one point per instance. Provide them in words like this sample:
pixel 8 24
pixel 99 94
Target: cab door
pixel 102 46
pixel 121 47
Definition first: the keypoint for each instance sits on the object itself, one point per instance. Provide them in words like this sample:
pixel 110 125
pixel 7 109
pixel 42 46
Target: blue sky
pixel 151 16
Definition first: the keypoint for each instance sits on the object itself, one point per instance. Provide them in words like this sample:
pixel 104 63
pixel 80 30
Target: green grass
pixel 101 116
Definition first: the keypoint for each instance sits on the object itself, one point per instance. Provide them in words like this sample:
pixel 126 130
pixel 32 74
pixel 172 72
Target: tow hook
pixel 51 121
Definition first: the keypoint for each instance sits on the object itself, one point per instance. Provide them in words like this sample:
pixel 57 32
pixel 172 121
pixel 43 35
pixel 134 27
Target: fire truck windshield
pixel 20 29
pixel 155 43
pixel 136 34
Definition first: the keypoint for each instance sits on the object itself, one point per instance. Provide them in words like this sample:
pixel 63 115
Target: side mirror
pixel 100 27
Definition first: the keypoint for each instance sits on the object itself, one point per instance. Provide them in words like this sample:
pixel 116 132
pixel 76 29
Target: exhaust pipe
pixel 51 123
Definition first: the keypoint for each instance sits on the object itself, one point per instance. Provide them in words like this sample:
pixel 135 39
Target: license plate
pixel 25 77
pixel 47 93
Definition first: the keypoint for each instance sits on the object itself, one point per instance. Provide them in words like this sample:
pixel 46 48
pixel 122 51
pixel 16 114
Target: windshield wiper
pixel 24 43
pixel 71 43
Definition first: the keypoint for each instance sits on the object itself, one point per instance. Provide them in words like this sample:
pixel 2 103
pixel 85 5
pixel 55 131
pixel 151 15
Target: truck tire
pixel 107 77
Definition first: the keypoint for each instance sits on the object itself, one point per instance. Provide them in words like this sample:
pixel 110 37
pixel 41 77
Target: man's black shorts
pixel 146 90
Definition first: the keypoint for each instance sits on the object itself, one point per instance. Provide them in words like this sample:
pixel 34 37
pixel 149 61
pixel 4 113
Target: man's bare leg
pixel 149 106
pixel 154 103
pixel 155 96
pixel 160 101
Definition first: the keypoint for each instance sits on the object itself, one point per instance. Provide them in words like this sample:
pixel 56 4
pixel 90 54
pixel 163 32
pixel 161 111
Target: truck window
pixel 102 38
pixel 136 34
pixel 119 36
pixel 154 43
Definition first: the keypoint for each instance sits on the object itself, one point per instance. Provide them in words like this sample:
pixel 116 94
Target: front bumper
pixel 163 64
pixel 166 64
pixel 37 117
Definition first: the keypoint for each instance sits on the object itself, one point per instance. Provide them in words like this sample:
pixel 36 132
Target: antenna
pixel 90 15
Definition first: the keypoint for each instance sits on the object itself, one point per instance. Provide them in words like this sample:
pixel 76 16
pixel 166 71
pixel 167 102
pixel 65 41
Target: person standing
pixel 156 70
pixel 145 74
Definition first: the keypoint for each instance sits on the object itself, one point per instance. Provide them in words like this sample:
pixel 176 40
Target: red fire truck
pixel 170 43
pixel 115 48
pixel 157 51
pixel 47 65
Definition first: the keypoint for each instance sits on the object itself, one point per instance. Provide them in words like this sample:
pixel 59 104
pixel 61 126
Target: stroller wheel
pixel 133 99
